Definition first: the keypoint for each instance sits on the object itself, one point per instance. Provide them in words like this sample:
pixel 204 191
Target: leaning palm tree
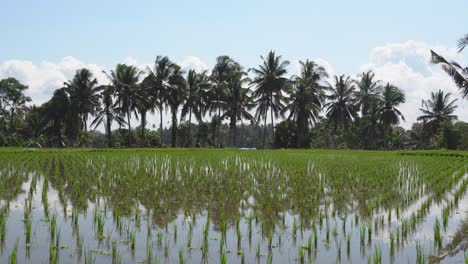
pixel 197 87
pixel 218 78
pixel 237 102
pixel 175 97
pixel 305 98
pixel 388 113
pixel 438 110
pixel 124 80
pixel 270 81
pixel 341 106
pixel 108 112
pixel 160 75
pixel 368 91
pixel 458 73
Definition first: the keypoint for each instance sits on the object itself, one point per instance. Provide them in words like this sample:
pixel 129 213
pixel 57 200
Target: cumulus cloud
pixel 408 66
pixel 45 77
pixel 192 62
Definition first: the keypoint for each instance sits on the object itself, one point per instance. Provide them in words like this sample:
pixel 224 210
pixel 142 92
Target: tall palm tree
pixel 368 91
pixel 218 78
pixel 269 81
pixel 85 95
pixel 175 97
pixel 305 98
pixel 237 101
pixel 145 104
pixel 197 87
pixel 458 73
pixel 388 113
pixel 125 79
pixel 160 76
pixel 341 108
pixel 108 112
pixel 437 110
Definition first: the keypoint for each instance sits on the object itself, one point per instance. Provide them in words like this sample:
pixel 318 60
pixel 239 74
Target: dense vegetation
pixel 206 109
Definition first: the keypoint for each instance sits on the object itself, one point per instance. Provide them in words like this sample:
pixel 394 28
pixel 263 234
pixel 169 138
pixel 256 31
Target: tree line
pixel 209 108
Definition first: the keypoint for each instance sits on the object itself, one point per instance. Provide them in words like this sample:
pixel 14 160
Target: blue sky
pixel 44 42
pixel 106 32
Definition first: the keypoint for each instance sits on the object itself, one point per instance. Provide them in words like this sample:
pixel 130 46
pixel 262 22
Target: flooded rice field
pixel 228 206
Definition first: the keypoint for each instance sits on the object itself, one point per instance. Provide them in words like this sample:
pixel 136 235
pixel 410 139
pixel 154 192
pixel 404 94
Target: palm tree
pixel 108 112
pixel 388 113
pixel 458 73
pixel 175 96
pixel 125 83
pixel 197 87
pixel 305 98
pixel 160 75
pixel 437 110
pixel 341 108
pixel 368 91
pixel 85 96
pixel 145 103
pixel 55 115
pixel 269 82
pixel 236 101
pixel 219 76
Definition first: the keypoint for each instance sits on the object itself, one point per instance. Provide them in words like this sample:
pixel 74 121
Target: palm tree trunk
pixel 264 130
pixel 189 125
pixel 143 124
pixel 272 128
pixel 109 131
pixel 129 129
pixel 161 124
pixel 235 132
pixel 12 119
pixel 174 127
pixel 219 128
pixel 232 125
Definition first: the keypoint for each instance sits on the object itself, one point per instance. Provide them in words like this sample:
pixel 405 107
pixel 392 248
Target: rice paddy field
pixel 232 206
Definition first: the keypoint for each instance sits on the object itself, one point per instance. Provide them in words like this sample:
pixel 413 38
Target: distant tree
pixel 458 73
pixel 108 112
pixel 125 82
pixel 84 95
pixel 388 113
pixel 160 75
pixel 175 96
pixel 216 93
pixel 305 99
pixel 12 96
pixel 56 115
pixel 368 91
pixel 196 94
pixel 270 81
pixel 438 110
pixel 341 106
pixel 237 101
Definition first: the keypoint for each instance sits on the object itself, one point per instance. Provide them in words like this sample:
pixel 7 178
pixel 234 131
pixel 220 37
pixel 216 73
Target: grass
pixel 219 201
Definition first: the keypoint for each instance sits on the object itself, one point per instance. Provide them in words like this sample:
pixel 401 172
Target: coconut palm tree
pixel 341 106
pixel 160 75
pixel 197 87
pixel 270 81
pixel 218 78
pixel 124 80
pixel 458 73
pixel 85 95
pixel 237 101
pixel 437 110
pixel 145 104
pixel 388 113
pixel 305 98
pixel 108 112
pixel 368 91
pixel 175 96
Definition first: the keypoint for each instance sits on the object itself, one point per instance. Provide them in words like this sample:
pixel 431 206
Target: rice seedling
pixel 437 234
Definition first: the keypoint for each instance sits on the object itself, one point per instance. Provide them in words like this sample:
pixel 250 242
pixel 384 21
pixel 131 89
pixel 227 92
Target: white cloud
pixel 192 62
pixel 44 78
pixel 408 66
